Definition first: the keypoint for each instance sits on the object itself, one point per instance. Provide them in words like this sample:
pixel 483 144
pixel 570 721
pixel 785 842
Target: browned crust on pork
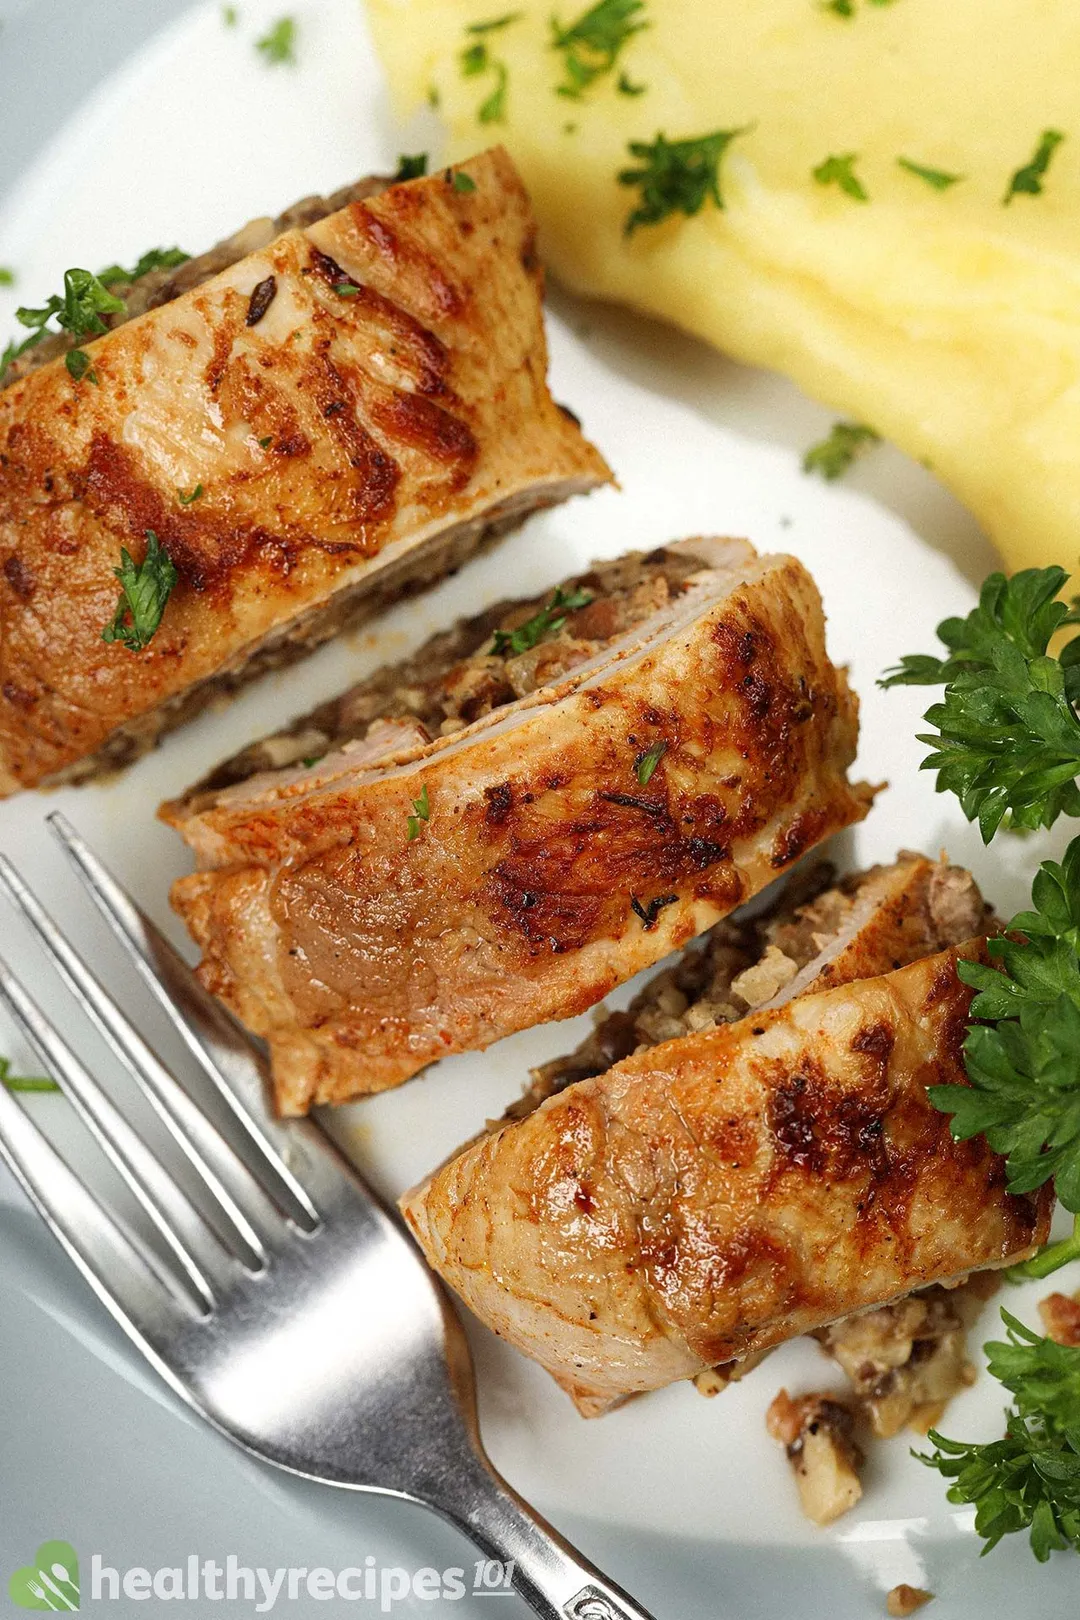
pixel 416 408
pixel 361 954
pixel 712 1196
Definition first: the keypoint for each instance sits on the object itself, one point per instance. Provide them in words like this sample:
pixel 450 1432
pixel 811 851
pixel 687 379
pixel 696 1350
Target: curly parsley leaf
pixel 834 455
pixel 1008 739
pixel 940 179
pixel 548 622
pixel 676 177
pixel 839 170
pixel 24 1082
pixel 1030 1480
pixel 78 310
pixel 421 812
pixel 278 45
pixel 144 591
pixel 1028 179
pixel 592 44
pixel 7 276
pixel 1024 1095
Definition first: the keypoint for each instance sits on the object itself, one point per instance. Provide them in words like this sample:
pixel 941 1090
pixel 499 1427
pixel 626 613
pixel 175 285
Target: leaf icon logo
pixel 51 1582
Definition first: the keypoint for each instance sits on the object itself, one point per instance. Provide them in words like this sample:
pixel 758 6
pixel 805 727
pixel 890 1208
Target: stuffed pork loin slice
pixel 324 412
pixel 708 1176
pixel 507 827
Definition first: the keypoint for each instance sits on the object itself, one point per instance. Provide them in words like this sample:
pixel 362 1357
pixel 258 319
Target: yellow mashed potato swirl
pixel 944 319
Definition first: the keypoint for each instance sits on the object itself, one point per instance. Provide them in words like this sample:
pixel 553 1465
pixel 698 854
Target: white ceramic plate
pixel 685 1501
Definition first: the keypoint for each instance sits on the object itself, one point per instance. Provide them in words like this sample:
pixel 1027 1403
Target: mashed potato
pixel 948 322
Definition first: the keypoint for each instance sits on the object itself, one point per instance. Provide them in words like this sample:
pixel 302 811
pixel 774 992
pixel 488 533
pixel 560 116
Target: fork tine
pixel 180 1224
pixel 205 1148
pixel 213 1038
pixel 122 1274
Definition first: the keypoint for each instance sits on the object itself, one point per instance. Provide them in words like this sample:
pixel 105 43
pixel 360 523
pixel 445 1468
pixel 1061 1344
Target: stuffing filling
pixel 744 964
pixel 817 1433
pixel 480 665
pixel 905 1361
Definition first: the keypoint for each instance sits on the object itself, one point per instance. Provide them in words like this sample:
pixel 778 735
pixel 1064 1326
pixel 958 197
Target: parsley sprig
pixel 78 310
pixel 1007 738
pixel 548 622
pixel 144 590
pixel 676 177
pixel 1030 1480
pixel 1021 1060
pixel 592 44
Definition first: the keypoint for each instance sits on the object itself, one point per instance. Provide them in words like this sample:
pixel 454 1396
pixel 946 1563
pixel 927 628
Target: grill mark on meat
pixel 400 253
pixel 500 802
pixel 425 426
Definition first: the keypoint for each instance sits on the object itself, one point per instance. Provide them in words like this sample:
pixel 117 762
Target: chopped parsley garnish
pixel 24 1082
pixel 940 179
pixel 279 45
pixel 79 365
pixel 421 812
pixel 677 177
pixel 476 59
pixel 85 300
pixel 548 622
pixel 264 444
pixel 646 763
pixel 7 276
pixel 626 87
pixel 839 170
pixel 144 590
pixel 153 259
pixel 346 289
pixel 411 168
pixel 1030 1480
pixel 463 182
pixel 1007 738
pixel 188 500
pixel 649 913
pixel 592 44
pixel 230 16
pixel 833 456
pixel 1028 179
pixel 839 8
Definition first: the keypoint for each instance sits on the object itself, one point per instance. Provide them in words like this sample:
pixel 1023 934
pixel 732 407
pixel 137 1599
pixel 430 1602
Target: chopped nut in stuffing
pixel 904 1600
pixel 905 1361
pixel 817 1434
pixel 1061 1317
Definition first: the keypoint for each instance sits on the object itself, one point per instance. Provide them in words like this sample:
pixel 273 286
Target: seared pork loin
pixel 746 1154
pixel 321 414
pixel 536 806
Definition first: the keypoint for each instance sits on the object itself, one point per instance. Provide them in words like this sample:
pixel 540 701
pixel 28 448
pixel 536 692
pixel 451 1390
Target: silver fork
pixel 284 1302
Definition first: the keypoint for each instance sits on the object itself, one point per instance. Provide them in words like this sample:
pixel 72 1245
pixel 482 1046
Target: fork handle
pixel 551 1575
